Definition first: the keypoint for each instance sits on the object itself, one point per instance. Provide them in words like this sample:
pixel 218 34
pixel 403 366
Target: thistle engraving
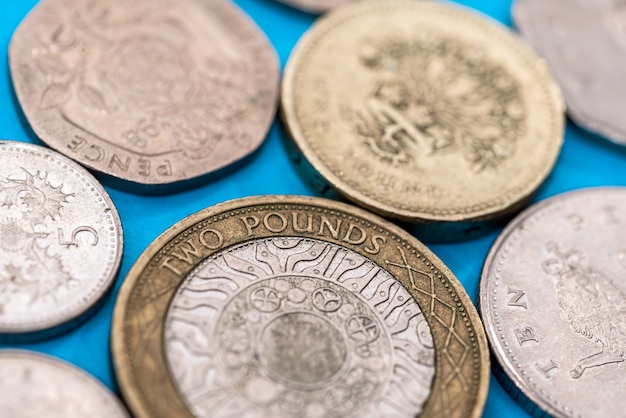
pixel 278 327
pixel 435 96
pixel 594 306
pixel 29 274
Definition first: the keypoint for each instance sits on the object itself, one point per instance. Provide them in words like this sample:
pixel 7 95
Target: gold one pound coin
pixel 422 111
pixel 282 306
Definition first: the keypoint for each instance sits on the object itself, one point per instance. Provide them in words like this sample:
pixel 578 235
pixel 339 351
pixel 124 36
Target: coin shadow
pixel 596 139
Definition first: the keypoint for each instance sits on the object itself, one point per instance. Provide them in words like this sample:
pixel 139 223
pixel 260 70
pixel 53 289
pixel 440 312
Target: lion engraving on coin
pixel 434 96
pixel 594 307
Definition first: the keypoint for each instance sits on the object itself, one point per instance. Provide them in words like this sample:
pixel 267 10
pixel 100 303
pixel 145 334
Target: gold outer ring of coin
pixel 137 341
pixel 347 76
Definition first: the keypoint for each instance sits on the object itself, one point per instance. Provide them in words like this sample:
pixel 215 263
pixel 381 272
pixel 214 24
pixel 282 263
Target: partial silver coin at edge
pixel 553 301
pixel 158 94
pixel 584 43
pixel 61 241
pixel 33 385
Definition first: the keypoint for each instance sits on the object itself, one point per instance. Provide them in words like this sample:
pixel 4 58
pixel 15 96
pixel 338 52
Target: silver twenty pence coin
pixel 553 300
pixel 154 93
pixel 584 43
pixel 60 241
pixel 33 385
pixel 292 327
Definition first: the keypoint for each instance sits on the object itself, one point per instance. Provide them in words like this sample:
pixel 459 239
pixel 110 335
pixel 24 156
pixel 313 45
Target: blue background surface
pixel 585 161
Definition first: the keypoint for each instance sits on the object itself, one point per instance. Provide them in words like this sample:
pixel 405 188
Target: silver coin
pixel 297 327
pixel 584 43
pixel 553 300
pixel 33 385
pixel 155 93
pixel 61 241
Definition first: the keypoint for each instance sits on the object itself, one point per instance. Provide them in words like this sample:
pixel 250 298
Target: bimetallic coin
pixel 280 306
pixel 422 111
pixel 61 242
pixel 553 301
pixel 151 92
pixel 584 42
pixel 34 385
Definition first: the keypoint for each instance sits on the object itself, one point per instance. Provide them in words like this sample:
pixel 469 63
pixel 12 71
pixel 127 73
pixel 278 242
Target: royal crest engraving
pixel 434 95
pixel 292 326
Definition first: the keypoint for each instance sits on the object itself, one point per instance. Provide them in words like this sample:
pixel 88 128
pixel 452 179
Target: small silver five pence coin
pixel 553 301
pixel 33 385
pixel 61 241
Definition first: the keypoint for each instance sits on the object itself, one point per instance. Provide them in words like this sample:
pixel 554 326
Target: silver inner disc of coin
pixel 553 300
pixel 34 386
pixel 61 239
pixel 289 326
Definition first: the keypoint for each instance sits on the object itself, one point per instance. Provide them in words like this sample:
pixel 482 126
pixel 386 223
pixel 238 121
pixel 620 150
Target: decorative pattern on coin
pixel 553 303
pixel 584 42
pixel 152 92
pixel 61 243
pixel 437 114
pixel 292 306
pixel 34 385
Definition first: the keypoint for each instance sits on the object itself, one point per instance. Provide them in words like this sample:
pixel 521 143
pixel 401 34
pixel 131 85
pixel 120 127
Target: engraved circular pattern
pixel 285 326
pixel 152 92
pixel 33 385
pixel 61 241
pixel 552 302
pixel 319 346
pixel 398 131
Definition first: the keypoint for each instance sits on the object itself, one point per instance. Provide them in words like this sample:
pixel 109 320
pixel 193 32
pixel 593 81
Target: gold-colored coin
pixel 281 306
pixel 422 111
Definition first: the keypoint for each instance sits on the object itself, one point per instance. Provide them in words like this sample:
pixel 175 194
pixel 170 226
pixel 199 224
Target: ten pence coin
pixel 282 306
pixel 553 300
pixel 61 242
pixel 34 385
pixel 584 42
pixel 422 111
pixel 152 92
